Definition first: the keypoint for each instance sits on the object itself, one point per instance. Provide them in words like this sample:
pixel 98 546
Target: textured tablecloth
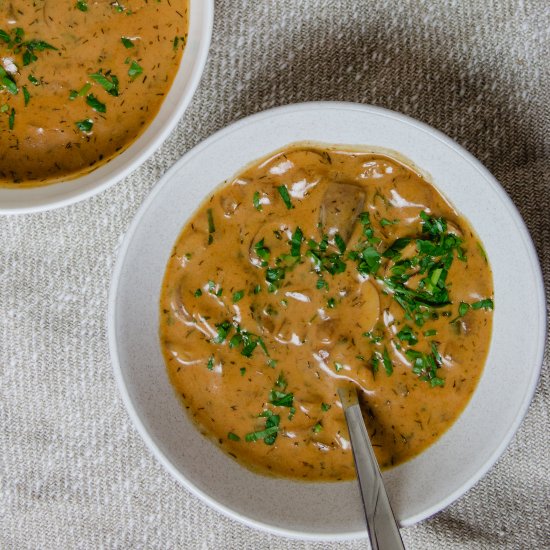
pixel 73 471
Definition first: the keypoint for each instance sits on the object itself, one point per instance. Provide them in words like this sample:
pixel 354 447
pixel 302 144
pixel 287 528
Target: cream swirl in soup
pixel 315 268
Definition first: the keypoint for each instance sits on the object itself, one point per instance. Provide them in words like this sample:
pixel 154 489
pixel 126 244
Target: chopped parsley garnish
pixel 388 365
pixel 108 81
pixel 426 365
pixel 26 95
pixel 211 226
pixel 281 399
pixel 233 437
pixel 256 201
pixel 321 283
pixel 262 251
pixel 318 428
pixel 331 303
pixel 340 243
pixel 269 434
pixel 210 364
pixel 198 293
pixel 338 366
pixel 135 70
pixel 127 42
pixel 85 125
pixel 33 80
pixel 82 5
pixel 487 303
pixel 325 407
pixel 296 242
pixel 223 330
pixel 95 104
pixel 237 296
pixel 7 82
pixel 242 371
pixel 283 191
pixel 406 334
pixel 11 119
pixel 384 222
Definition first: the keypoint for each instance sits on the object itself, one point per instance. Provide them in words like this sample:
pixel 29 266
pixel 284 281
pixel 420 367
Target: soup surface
pixel 313 269
pixel 80 80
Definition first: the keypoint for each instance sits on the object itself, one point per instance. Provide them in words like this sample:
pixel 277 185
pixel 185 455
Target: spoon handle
pixel 383 530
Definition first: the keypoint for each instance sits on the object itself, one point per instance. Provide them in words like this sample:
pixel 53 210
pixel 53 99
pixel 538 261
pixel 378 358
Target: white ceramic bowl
pixel 17 201
pixel 418 488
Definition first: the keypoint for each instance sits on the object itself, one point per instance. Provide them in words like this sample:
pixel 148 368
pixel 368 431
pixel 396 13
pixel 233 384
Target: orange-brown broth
pixel 317 348
pixel 45 145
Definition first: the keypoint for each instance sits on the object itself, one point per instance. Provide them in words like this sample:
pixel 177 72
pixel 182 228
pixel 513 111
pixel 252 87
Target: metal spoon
pixel 381 524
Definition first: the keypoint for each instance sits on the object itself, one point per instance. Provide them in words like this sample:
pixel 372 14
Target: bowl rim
pixel 223 133
pixel 195 75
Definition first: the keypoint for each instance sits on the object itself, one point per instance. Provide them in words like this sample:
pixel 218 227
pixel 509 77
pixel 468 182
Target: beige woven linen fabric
pixel 73 471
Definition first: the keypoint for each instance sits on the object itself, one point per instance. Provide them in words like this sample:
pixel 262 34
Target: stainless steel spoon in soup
pixel 382 526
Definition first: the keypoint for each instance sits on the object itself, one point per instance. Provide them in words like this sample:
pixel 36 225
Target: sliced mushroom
pixel 341 204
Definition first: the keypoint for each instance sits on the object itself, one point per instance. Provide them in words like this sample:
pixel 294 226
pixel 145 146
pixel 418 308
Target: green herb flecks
pixel 108 81
pixel 233 437
pixel 425 365
pixel 82 5
pixel 85 125
pixel 238 296
pixel 256 201
pixel 11 119
pixel 211 226
pixel 269 433
pixel 135 70
pixel 283 191
pixel 210 364
pixel 95 104
pixel 126 42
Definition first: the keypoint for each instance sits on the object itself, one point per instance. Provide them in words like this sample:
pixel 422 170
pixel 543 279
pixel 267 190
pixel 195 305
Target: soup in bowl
pixel 451 200
pixel 87 84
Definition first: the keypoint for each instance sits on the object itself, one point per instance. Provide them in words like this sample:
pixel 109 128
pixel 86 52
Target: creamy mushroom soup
pixel 80 80
pixel 315 268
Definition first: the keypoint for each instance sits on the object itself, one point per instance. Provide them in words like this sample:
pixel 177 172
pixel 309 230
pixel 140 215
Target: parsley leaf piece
pixel 135 70
pixel 256 201
pixel 233 437
pixel 85 125
pixel 211 226
pixel 486 304
pixel 224 328
pixel 281 399
pixel 237 296
pixel 406 334
pixel 317 428
pixel 108 81
pixel 11 119
pixel 81 5
pixel 340 243
pixel 26 95
pixel 388 366
pixel 338 366
pixel 296 242
pixel 95 104
pixel 325 407
pixel 283 191
pixel 198 293
pixel 127 42
pixel 210 364
pixel 262 251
